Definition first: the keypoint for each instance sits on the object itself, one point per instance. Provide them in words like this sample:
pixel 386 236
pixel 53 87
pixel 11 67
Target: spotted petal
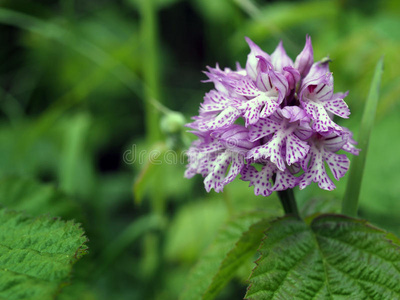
pixel 296 149
pixel 284 180
pixel 338 163
pixel 316 172
pixel 223 120
pixel 261 180
pixel 214 102
pixel 257 106
pixel 272 150
pixel 199 162
pixel 349 145
pixel 219 177
pixel 247 88
pixel 262 128
pixel 210 147
pixel 322 121
pixel 337 105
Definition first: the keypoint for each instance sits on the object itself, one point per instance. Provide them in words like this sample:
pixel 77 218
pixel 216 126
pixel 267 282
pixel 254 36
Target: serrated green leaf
pixel 336 257
pixel 36 255
pixel 207 275
pixel 243 250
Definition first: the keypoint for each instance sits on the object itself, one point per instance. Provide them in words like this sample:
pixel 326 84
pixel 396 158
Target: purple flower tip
pixel 305 59
pixel 252 61
pixel 280 59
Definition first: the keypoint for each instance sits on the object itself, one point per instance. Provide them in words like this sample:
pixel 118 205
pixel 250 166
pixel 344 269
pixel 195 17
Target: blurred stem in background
pixel 151 73
pixel 152 248
pixel 150 69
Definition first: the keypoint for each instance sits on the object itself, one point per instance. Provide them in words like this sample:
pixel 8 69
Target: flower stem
pixel 289 202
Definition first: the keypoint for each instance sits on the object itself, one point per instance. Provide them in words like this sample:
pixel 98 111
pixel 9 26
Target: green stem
pixel 150 68
pixel 289 202
pixel 151 74
pixel 152 247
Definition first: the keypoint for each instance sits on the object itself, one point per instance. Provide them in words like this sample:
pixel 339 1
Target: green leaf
pixel 185 239
pixel 350 200
pixel 335 257
pixel 36 198
pixel 243 250
pixel 36 255
pixel 235 241
pixel 320 205
pixel 73 170
pixel 149 171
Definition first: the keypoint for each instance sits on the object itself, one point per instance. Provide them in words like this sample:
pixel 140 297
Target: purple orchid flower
pixel 289 135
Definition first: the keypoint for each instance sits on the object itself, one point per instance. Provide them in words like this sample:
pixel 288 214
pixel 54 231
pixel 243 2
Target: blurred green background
pixel 87 130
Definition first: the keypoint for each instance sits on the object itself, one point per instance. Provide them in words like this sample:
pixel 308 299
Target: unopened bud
pixel 172 122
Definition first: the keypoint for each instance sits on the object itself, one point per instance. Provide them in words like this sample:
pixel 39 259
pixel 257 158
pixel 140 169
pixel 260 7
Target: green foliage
pixel 320 205
pixel 35 198
pixel 331 257
pixel 36 255
pixel 235 244
pixel 242 252
pixel 350 200
pixel 186 240
pixel 74 80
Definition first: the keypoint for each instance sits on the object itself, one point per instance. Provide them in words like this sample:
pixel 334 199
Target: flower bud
pixel 172 122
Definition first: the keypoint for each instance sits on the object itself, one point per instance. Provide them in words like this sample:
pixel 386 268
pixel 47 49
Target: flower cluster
pixel 271 122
